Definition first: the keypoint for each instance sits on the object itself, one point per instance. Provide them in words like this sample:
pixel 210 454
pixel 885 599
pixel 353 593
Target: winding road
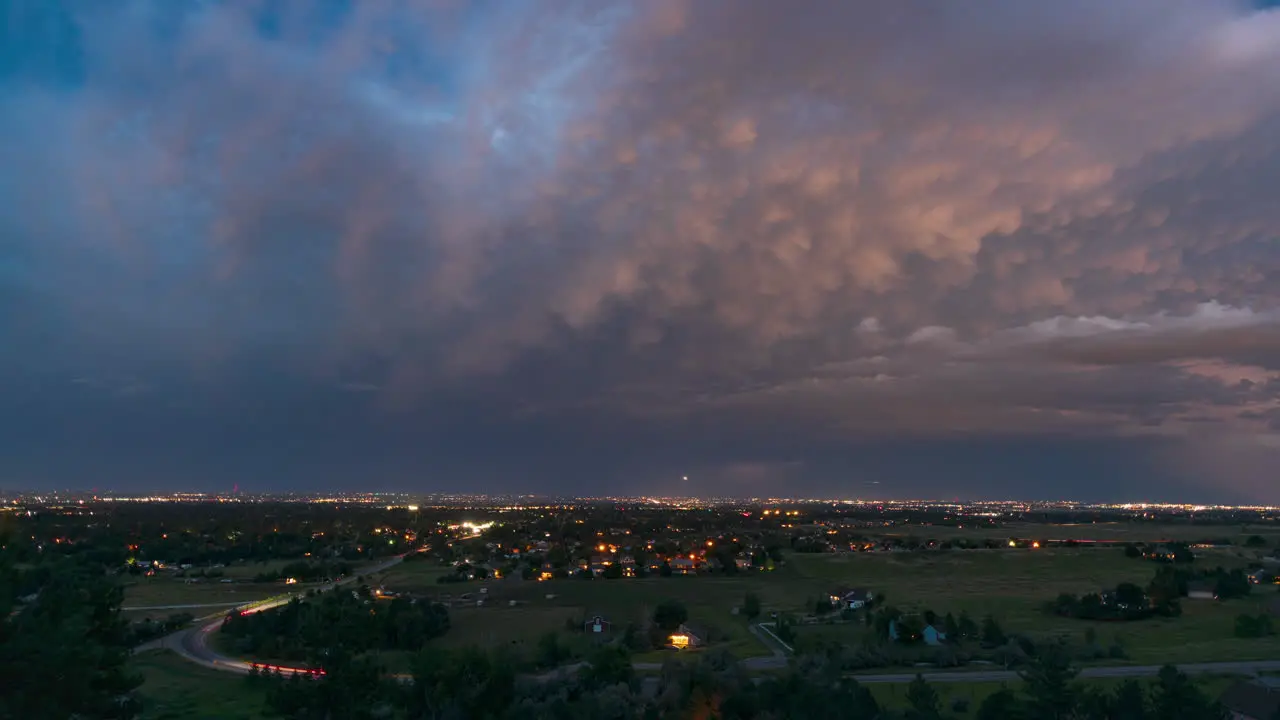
pixel 193 643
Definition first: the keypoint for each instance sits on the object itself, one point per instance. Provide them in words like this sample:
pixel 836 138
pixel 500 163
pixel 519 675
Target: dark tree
pixel 1002 704
pixel 1130 594
pixel 1050 687
pixel 1176 697
pixel 923 701
pixel 670 614
pixel 992 634
pixel 1129 702
pixel 609 665
pixel 951 627
pixel 63 654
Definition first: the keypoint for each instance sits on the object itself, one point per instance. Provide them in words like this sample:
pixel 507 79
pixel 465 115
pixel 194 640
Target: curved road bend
pixel 193 643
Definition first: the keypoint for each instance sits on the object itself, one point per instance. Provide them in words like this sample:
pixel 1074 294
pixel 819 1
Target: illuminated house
pixel 683 566
pixel 689 636
pixel 850 599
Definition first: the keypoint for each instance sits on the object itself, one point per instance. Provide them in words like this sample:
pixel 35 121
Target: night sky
pixel 858 249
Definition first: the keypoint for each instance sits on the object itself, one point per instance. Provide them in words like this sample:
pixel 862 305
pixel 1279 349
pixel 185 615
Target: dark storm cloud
pixel 616 240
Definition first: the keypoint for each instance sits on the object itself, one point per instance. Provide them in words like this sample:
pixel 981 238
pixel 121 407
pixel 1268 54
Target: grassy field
pixel 415 576
pixel 161 590
pixel 1013 585
pixel 894 695
pixel 710 601
pixel 175 689
pixel 166 589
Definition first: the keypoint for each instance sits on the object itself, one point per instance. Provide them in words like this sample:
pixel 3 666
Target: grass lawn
pixel 174 689
pixel 497 626
pixel 710 601
pixel 414 576
pixel 1013 585
pixel 893 696
pixel 250 570
pixel 160 590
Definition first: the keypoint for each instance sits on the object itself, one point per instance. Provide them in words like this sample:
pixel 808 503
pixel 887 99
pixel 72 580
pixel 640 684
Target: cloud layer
pixel 902 220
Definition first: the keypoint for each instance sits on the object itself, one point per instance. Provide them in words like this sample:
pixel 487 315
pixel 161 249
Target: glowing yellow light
pixel 680 641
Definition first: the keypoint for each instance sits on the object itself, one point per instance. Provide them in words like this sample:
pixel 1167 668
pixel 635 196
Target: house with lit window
pixel 850 599
pixel 684 566
pixel 689 636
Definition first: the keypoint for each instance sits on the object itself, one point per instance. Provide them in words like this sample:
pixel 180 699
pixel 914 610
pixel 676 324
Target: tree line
pixel 470 683
pixel 327 624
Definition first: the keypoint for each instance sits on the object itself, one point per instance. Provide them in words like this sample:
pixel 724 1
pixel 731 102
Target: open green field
pixel 894 695
pixel 1013 585
pixel 415 576
pixel 174 689
pixel 161 590
pixel 710 601
pixel 164 589
pixel 250 570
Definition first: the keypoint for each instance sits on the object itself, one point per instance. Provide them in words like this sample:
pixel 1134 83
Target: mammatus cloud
pixel 870 218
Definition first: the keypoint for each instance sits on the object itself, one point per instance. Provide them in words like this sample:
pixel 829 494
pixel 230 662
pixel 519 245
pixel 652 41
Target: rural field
pixel 1011 585
pixel 543 607
pixel 175 688
pixel 893 696
pixel 165 589
pixel 162 591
